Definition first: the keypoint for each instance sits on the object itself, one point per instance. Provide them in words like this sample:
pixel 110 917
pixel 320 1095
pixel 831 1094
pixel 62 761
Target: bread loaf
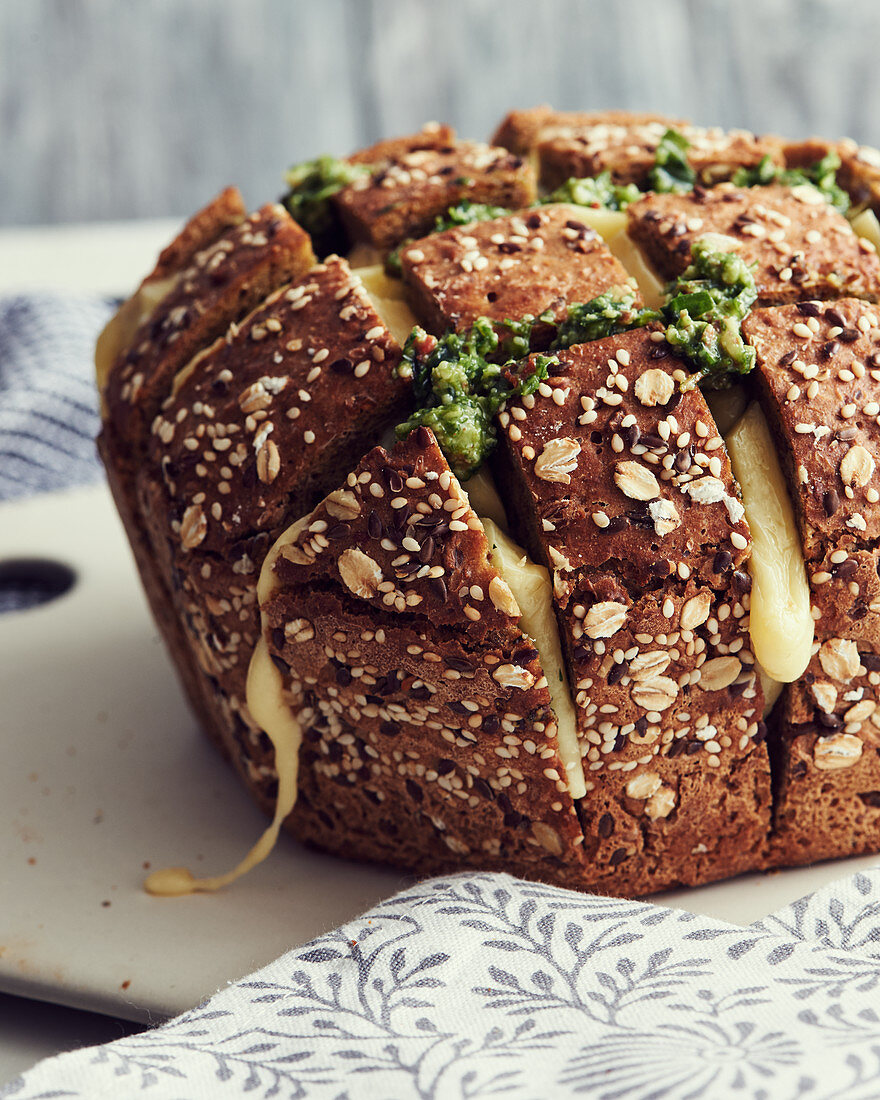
pixel 567 655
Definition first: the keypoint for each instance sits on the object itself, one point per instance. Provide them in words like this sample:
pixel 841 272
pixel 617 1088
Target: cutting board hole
pixel 30 582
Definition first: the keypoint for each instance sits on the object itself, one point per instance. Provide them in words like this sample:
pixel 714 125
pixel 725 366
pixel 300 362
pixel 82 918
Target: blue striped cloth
pixel 48 401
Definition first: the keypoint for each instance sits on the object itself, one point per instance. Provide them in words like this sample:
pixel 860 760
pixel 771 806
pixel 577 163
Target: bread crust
pixel 403 198
pixel 416 689
pixel 534 262
pixel 433 135
pixel 818 384
pixel 249 396
pixel 653 609
pixel 252 434
pixel 627 147
pixel 800 247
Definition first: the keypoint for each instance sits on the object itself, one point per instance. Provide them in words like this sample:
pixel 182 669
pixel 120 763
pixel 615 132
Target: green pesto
pixel 702 316
pixel 460 380
pixel 598 192
pixel 463 213
pixel 459 389
pixel 609 313
pixel 672 170
pixel 312 184
pixel 704 311
pixel 822 175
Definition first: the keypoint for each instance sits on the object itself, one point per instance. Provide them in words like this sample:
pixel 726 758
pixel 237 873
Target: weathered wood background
pixel 121 108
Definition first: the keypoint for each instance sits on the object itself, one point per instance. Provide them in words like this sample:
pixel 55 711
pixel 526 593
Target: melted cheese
pixel 532 590
pixel 364 255
pixel 389 300
pixel 867 226
pixel 269 708
pixel 781 625
pixel 771 688
pixel 611 227
pixel 482 494
pixel 265 692
pixel 727 406
pixel 119 331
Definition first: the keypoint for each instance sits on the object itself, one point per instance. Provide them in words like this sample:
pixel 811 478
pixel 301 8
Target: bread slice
pixel 220 286
pixel 799 245
pixel 433 135
pixel 403 199
pixel 859 172
pixel 818 377
pixel 537 261
pixel 573 144
pixel 428 734
pixel 624 490
pixel 255 430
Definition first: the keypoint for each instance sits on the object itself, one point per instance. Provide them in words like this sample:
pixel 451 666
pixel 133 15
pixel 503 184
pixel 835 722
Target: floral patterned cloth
pixel 48 400
pixel 473 985
pixel 480 985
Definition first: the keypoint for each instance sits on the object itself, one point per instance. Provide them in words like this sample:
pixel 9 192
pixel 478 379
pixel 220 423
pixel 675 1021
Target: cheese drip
pixel 270 710
pixel 781 625
pixel 265 700
pixel 532 590
pixel 120 330
pixel 389 301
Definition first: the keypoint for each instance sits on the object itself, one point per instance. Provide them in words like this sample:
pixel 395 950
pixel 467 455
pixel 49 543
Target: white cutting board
pixel 102 769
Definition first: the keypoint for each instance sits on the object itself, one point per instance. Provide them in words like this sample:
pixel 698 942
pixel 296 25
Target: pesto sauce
pixel 702 316
pixel 459 388
pixel 312 184
pixel 672 170
pixel 609 313
pixel 704 312
pixel 822 175
pixel 460 380
pixel 597 192
pixel 463 213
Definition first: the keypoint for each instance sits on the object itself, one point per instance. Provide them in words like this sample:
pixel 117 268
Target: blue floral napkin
pixel 48 403
pixel 481 985
pixel 474 985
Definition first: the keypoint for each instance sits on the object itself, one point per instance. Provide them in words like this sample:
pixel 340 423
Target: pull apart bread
pixel 604 610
